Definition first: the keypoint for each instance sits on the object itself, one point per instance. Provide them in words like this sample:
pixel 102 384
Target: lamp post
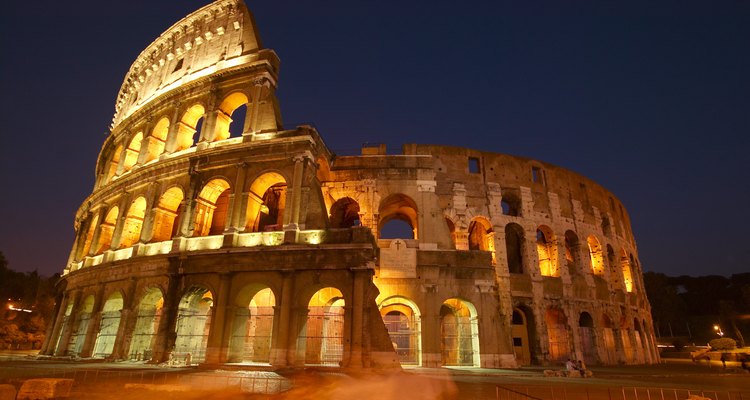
pixel 718 330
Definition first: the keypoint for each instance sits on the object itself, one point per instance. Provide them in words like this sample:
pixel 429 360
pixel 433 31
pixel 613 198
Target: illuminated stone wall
pixel 224 238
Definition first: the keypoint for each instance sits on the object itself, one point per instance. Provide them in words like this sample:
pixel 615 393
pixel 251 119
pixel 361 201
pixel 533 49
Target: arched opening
pixel 84 251
pixel 266 203
pixel 514 239
pixel 211 208
pixel 165 215
pixel 611 260
pixel 557 334
pixel 81 326
pixel 344 213
pixel 398 207
pixel 109 323
pixel 106 229
pixel 403 321
pixel 132 151
pixel 146 325
pixel 546 249
pixel 481 236
pixel 131 232
pixel 610 349
pixel 586 333
pixel 114 161
pixel 522 326
pixel 510 204
pixel 627 271
pixel 230 118
pixel 65 321
pixel 323 340
pixel 252 327
pixel 193 325
pixel 606 227
pixel 460 333
pixel 572 257
pixel 595 253
pixel 189 129
pixel 158 139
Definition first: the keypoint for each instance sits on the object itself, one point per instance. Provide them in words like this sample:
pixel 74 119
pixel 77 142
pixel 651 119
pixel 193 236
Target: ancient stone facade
pixel 214 239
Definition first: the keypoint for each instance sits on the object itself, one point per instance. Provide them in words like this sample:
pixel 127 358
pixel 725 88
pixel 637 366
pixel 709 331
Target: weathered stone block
pixel 38 389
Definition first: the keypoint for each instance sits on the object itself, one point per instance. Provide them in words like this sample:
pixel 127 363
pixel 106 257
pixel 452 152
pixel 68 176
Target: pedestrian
pixel 582 368
pixel 570 366
pixel 724 360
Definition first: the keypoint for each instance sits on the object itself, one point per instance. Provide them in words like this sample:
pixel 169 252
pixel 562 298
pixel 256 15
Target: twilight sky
pixel 650 100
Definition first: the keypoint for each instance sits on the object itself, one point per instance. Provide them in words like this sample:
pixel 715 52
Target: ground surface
pixel 670 380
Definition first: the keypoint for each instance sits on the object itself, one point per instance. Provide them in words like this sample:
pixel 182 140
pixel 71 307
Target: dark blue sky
pixel 650 100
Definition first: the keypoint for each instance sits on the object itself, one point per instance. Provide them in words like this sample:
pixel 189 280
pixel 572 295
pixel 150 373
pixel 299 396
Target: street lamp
pixel 718 330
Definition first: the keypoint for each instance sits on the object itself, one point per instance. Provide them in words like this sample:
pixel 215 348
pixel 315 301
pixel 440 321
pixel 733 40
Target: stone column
pixel 147 229
pixel 174 128
pixel 165 333
pixel 123 153
pixel 93 328
pixel 127 323
pixel 252 121
pixel 359 275
pixel 67 328
pixel 216 348
pixel 97 231
pixel 432 356
pixel 50 341
pixel 282 338
pixel 121 217
pixel 237 201
pixel 208 132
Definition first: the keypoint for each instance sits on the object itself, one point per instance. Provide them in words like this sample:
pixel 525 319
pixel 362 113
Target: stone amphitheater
pixel 215 236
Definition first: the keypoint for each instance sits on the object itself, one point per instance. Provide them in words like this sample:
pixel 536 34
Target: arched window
pixel 323 340
pixel 106 229
pixel 571 252
pixel 606 227
pixel 546 248
pixel 557 333
pixel 481 236
pixel 211 208
pixel 595 253
pixel 344 213
pixel 81 326
pixel 510 204
pixel 193 325
pixel 131 232
pixel 611 261
pixel 522 329
pixel 109 323
pixel 158 140
pixel 132 151
pixel 114 161
pixel 84 251
pixel 266 203
pixel 402 319
pixel 398 207
pixel 146 325
pixel 189 129
pixel 166 213
pixel 460 333
pixel 252 327
pixel 586 333
pixel 627 271
pixel 230 118
pixel 514 239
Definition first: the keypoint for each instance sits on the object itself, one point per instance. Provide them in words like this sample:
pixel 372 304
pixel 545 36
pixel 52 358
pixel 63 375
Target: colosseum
pixel 214 236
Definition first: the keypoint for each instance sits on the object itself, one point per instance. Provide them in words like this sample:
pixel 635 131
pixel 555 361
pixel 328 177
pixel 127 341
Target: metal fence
pixel 513 392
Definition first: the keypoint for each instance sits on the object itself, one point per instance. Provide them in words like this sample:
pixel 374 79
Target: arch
pixel 481 236
pixel 323 172
pixel 546 248
pixel 557 334
pixel 189 126
pixel 114 162
pixel 131 232
pixel 322 338
pixel 627 271
pixel 403 320
pixel 132 151
pixel 193 325
pixel 459 330
pixel 586 334
pixel 606 227
pixel 522 332
pixel 109 323
pixel 158 139
pixel 595 253
pixel 81 326
pixel 225 115
pixel 84 251
pixel 344 213
pixel 106 229
pixel 211 208
pixel 168 208
pixel 572 256
pixel 514 248
pixel 510 204
pixel 610 349
pixel 266 203
pixel 398 207
pixel 252 327
pixel 147 324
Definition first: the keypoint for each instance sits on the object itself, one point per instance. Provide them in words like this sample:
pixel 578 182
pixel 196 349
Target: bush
pixel 723 344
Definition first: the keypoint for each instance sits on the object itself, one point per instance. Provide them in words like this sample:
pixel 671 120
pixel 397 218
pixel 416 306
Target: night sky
pixel 652 101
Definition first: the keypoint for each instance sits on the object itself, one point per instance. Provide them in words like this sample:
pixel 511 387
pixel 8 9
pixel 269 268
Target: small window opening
pixel 178 65
pixel 536 175
pixel 473 165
